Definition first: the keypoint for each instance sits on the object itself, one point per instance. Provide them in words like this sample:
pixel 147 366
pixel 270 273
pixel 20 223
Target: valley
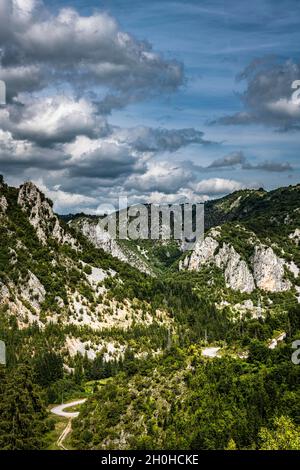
pixel 181 349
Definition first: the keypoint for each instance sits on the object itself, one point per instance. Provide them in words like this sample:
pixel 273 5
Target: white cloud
pixel 183 195
pixel 161 176
pixel 83 50
pixel 65 201
pixel 285 107
pixel 268 96
pixel 215 186
pixel 48 120
pixel 102 158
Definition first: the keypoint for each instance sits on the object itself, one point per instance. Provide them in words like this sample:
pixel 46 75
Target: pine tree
pixel 22 412
pixel 48 368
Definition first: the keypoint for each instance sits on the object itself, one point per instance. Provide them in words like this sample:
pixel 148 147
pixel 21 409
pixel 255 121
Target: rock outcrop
pixel 237 274
pixel 203 253
pixel 41 216
pixel 265 270
pixel 295 236
pixel 269 270
pixel 3 205
pixel 33 291
pixel 100 238
pixel 293 268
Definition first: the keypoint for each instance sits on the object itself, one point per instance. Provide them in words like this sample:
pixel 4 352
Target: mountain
pixel 256 246
pixel 185 349
pixel 236 241
pixel 148 255
pixel 50 276
pixel 92 230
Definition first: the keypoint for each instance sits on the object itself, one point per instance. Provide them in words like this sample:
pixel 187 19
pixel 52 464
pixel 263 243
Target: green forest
pixel 161 392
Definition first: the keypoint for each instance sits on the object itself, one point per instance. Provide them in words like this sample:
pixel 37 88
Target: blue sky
pixel 252 127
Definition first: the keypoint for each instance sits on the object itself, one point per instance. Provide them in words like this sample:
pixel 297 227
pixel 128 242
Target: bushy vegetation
pixel 162 393
pixel 186 402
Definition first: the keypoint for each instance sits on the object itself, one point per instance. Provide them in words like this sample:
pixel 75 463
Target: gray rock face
pixel 266 270
pixel 237 274
pixel 41 215
pixel 203 253
pixel 3 205
pixel 269 270
pixel 102 239
pixel 4 293
pixel 33 291
pixel 293 268
pixel 295 236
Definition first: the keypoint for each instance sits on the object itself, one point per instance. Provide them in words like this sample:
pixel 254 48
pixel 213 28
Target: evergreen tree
pixel 22 412
pixel 48 368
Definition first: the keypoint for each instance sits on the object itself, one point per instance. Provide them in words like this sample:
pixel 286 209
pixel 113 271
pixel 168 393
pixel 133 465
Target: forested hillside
pixel 194 354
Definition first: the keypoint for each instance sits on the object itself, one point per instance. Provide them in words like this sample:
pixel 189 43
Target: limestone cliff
pixel 264 270
pixel 101 239
pixel 41 216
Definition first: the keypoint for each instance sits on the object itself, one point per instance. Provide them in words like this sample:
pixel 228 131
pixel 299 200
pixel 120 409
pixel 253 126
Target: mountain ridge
pixel 76 314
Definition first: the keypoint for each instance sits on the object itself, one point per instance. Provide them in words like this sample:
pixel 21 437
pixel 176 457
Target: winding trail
pixel 59 411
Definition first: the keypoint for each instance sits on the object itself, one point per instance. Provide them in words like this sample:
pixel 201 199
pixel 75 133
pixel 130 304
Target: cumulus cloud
pixel 16 155
pixel 189 191
pixel 83 50
pixel 181 196
pixel 22 78
pixel 268 98
pixel 50 120
pixel 216 186
pixel 108 159
pixel 161 177
pixel 66 201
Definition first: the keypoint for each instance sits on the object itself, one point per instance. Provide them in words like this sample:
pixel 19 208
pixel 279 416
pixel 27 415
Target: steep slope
pixel 257 246
pixel 151 256
pixel 128 253
pixel 256 207
pixel 247 263
pixel 53 281
pixel 40 215
pixel 197 357
pixel 272 216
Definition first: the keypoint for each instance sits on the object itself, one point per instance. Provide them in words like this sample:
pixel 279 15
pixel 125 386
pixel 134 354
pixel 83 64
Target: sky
pixel 156 101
